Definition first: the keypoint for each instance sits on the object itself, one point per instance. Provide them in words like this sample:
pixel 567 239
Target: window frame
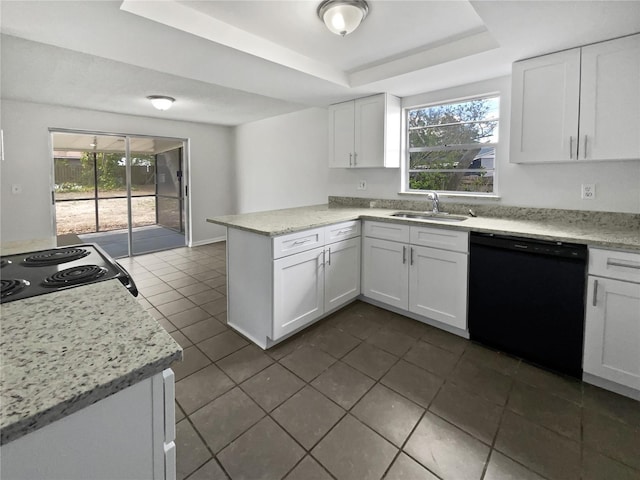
pixel 407 150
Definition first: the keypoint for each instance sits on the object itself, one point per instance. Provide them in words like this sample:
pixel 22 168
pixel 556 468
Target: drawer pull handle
pixel 342 232
pixel 595 293
pixel 571 148
pixel 404 255
pixel 411 255
pixel 614 263
pixel 300 242
pixel 329 259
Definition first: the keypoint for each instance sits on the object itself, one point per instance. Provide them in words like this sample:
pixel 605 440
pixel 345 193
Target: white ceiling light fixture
pixel 343 16
pixel 161 102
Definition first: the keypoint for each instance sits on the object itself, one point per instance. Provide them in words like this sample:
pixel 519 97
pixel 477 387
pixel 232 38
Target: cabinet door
pixel 342 273
pixel 438 285
pixel 341 134
pixel 610 100
pixel 385 273
pixel 612 331
pixel 369 132
pixel 298 291
pixel 544 108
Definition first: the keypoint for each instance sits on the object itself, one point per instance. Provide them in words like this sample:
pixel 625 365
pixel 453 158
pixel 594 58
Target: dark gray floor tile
pixel 555 413
pixel 355 322
pixel 164 297
pixel 503 468
pixel 209 471
pixel 263 452
pixel 217 281
pixel 445 340
pixel 192 361
pixel 406 468
pixel 227 417
pixel 611 404
pixel 193 289
pixel 353 451
pixel 406 325
pixel 432 358
pixel 205 297
pixel 286 347
pixel 370 360
pixel 164 323
pixel 183 341
pixel 189 317
pixel 439 446
pixel 612 438
pixel 565 387
pixel 471 413
pixel 245 363
pixel 333 341
pixel 543 451
pixel 343 384
pixel 308 362
pixel 598 467
pixel 392 341
pixel 272 386
pixel 175 307
pixel 198 389
pixel 412 382
pixel 156 289
pixel 204 329
pixel 388 413
pixel 307 416
pixel 493 359
pixel 215 307
pixel 222 345
pixel 308 469
pixel 191 451
pixel 484 382
pixel 178 412
pixel 182 282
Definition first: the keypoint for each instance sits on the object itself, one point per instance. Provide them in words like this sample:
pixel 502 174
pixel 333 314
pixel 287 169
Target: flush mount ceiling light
pixel 161 102
pixel 343 16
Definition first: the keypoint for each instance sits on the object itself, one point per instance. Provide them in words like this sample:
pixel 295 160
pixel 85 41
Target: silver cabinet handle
pixel 571 147
pixel 329 260
pixel 411 255
pixel 585 147
pixel 342 232
pixel 404 254
pixel 595 293
pixel 614 263
pixel 350 158
pixel 323 258
pixel 300 242
pixel 355 158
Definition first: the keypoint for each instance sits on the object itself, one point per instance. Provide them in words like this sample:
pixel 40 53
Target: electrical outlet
pixel 362 185
pixel 16 189
pixel 588 191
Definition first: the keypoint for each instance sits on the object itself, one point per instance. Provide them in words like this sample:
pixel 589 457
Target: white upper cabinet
pixel 579 104
pixel 365 133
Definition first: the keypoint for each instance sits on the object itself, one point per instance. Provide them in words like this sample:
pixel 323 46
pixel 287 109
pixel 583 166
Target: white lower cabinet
pixel 430 282
pixel 278 286
pixel 612 326
pixel 128 435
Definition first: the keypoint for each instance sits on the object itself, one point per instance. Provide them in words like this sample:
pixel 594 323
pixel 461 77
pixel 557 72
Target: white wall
pixel 28 216
pixel 281 162
pixel 544 185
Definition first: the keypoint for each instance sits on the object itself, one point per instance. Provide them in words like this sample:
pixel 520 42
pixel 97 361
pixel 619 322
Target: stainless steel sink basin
pixel 433 217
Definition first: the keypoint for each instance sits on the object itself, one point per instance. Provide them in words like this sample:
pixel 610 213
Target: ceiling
pixel 232 62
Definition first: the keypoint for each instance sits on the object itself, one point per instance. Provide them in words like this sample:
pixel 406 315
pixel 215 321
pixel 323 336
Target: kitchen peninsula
pixel 86 387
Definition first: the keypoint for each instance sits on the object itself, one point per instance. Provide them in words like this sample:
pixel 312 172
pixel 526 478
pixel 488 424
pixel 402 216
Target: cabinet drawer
pixel 444 239
pixel 342 231
pixel 612 264
pixel 297 242
pixel 387 231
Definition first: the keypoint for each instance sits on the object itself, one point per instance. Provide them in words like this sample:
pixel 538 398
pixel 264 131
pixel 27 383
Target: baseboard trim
pixel 612 386
pixel 208 241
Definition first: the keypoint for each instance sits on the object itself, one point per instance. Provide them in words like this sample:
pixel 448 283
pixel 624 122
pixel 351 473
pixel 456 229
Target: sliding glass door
pixel 122 192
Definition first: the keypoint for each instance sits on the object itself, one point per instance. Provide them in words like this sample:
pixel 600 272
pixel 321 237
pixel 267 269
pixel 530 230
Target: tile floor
pixel 368 394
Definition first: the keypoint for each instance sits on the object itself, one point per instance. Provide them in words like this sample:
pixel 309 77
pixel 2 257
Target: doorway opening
pixel 125 193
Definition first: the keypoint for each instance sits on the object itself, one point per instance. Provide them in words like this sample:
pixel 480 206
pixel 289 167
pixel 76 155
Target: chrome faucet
pixel 433 196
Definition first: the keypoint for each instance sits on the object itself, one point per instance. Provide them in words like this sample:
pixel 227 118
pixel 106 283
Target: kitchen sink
pixel 433 217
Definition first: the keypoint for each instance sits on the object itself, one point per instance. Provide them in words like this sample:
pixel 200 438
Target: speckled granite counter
pixel 562 226
pixel 66 350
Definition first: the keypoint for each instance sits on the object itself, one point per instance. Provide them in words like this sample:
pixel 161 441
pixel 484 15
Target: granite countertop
pixel 63 351
pixel 561 227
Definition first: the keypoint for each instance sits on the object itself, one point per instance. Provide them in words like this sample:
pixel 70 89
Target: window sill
pixel 458 196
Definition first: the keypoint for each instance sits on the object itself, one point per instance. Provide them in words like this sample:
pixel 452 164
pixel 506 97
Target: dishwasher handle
pixel 529 245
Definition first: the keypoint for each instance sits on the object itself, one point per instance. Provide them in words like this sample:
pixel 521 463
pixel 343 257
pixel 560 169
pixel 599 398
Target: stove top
pixel 36 273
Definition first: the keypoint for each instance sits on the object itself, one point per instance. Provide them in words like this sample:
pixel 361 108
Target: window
pixel 452 146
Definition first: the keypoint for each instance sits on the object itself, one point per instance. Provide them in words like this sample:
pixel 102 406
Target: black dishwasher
pixel 526 297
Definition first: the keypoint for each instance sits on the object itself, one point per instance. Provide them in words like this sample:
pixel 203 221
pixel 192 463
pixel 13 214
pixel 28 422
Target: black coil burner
pixel 55 257
pixel 4 263
pixel 12 286
pixel 74 276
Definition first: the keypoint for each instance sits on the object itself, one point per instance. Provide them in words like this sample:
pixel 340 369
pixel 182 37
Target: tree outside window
pixel 452 146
